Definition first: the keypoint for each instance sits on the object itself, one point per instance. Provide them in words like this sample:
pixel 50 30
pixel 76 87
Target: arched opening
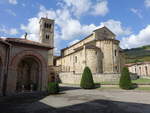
pixel 28 73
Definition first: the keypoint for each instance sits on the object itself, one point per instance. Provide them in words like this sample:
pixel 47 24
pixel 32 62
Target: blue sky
pixel 75 19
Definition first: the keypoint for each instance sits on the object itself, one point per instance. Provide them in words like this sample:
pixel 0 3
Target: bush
pixel 53 88
pixel 87 79
pixel 125 79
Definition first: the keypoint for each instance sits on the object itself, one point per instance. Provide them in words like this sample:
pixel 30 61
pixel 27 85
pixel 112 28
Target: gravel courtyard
pixel 76 100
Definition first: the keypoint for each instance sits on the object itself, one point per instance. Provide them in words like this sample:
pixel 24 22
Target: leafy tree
pixel 125 79
pixel 87 79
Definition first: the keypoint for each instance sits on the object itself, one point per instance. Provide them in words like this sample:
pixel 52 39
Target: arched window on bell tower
pixel 47 37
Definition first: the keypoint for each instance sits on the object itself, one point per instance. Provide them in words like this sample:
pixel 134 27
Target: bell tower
pixel 47 36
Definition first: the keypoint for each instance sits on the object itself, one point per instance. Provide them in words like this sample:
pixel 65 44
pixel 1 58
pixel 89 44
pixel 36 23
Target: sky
pixel 76 19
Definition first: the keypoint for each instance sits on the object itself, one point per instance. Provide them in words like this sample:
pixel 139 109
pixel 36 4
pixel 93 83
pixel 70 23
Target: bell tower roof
pixel 46 20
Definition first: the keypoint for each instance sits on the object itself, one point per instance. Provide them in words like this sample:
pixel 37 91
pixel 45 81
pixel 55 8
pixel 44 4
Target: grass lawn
pixel 143 88
pixel 141 81
pixel 117 88
pixel 138 81
pixel 110 82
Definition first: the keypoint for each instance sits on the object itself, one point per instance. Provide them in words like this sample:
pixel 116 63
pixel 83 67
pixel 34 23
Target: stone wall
pixel 73 78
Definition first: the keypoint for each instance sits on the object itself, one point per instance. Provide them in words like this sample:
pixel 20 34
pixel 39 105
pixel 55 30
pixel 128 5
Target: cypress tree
pixel 87 79
pixel 125 79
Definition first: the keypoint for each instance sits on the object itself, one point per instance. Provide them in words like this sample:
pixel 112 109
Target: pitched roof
pixel 24 41
pixel 106 29
pixel 138 63
pixel 77 42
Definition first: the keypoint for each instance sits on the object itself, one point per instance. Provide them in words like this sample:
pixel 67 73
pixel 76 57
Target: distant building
pixel 142 69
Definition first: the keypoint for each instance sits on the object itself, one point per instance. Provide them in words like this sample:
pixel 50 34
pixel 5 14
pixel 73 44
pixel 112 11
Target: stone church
pixel 24 64
pixel 99 51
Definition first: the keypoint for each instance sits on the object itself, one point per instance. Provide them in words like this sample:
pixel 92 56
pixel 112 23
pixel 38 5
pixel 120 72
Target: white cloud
pixel 116 27
pixel 137 12
pixel 101 8
pixel 78 7
pixel 11 31
pixel 14 2
pixel 73 42
pixel 136 40
pixel 147 3
pixel 9 11
pixel 73 28
pixel 3 37
pixel 32 29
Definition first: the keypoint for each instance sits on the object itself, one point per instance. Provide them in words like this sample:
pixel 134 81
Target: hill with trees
pixel 140 54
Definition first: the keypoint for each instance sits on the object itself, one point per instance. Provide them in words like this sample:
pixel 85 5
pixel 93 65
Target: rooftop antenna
pixel 25 36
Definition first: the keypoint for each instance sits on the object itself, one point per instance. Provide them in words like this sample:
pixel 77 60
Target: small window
pixel 115 52
pixel 76 59
pixel 116 67
pixel 44 25
pixel 49 25
pixel 146 70
pixel 47 36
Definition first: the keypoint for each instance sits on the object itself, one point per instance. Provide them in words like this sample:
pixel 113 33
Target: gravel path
pixel 76 100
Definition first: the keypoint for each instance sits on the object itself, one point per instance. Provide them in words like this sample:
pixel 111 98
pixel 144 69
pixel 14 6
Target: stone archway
pixel 17 60
pixel 28 73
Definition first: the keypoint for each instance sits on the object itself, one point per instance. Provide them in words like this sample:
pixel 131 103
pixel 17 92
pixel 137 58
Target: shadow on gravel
pixel 66 88
pixel 30 103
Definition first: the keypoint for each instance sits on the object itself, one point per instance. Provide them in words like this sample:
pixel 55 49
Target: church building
pixel 99 51
pixel 24 63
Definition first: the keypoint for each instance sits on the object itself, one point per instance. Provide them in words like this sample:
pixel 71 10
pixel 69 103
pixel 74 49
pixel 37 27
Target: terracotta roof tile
pixel 29 42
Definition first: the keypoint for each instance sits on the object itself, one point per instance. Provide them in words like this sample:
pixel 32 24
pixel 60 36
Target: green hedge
pixel 53 88
pixel 125 80
pixel 87 79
